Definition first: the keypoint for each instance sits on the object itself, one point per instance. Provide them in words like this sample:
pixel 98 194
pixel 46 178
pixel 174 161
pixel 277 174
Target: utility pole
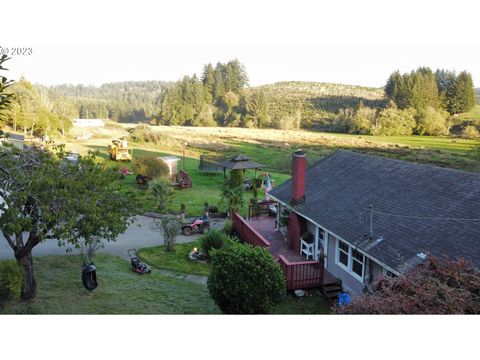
pixel 184 146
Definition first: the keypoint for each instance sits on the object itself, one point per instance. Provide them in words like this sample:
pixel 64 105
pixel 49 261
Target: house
pixel 88 123
pixel 373 216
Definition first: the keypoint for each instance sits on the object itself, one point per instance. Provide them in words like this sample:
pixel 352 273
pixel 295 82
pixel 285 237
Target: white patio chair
pixel 306 248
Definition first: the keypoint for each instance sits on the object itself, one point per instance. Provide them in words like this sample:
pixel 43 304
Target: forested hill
pixel 128 101
pixel 318 102
pixel 139 101
pixel 299 89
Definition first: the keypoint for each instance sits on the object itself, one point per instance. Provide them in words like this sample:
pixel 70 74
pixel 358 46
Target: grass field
pixel 206 188
pixel 176 261
pixel 472 115
pixel 273 148
pixel 312 304
pixel 120 291
pixel 448 144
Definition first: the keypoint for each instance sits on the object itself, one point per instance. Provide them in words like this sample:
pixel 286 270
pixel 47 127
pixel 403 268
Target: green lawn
pixel 312 304
pixel 120 291
pixel 472 115
pixel 205 188
pixel 276 156
pixel 176 261
pixel 455 145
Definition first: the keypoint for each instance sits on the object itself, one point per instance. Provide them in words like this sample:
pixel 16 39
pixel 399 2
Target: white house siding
pixel 348 281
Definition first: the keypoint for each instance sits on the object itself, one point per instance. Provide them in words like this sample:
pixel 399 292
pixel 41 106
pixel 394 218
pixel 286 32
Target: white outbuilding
pixel 88 123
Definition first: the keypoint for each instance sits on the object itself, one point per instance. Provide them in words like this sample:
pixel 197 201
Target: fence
pixel 209 163
pixel 266 207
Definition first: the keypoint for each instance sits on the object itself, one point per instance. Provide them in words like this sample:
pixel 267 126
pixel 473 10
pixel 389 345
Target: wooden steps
pixel 331 289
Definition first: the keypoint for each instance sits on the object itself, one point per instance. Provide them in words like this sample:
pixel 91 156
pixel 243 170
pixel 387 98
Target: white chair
pixel 306 248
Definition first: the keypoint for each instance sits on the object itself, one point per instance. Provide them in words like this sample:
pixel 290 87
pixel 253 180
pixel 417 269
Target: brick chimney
pixel 299 168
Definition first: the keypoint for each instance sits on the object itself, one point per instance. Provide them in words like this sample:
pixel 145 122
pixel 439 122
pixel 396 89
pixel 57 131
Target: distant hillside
pixel 317 102
pixel 299 89
pixel 128 101
pixel 477 92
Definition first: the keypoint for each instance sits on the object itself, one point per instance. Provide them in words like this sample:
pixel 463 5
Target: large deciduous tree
pixel 45 196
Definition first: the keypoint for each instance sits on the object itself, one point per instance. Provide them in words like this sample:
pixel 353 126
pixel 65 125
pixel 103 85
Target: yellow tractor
pixel 119 151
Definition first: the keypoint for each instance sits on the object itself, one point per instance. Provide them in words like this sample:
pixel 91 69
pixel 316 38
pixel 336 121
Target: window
pixel 357 262
pixel 353 261
pixel 343 250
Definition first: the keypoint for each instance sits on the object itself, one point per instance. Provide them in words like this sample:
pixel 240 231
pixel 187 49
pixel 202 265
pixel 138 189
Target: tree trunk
pixel 29 284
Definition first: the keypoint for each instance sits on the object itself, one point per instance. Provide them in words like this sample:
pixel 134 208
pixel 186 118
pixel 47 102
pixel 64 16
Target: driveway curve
pixel 138 235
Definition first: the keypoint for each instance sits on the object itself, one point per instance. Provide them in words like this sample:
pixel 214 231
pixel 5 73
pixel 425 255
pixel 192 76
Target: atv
pixel 201 224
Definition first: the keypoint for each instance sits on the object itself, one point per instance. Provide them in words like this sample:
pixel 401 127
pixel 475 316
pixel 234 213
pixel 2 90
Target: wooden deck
pixel 265 226
pixel 278 245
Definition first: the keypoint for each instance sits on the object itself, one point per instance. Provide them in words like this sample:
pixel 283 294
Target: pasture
pixel 267 146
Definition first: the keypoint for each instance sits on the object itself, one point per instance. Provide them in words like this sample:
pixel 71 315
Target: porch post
pixel 325 248
pixel 315 247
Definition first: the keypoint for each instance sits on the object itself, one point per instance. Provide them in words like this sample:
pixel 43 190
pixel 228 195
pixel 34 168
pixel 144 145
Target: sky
pixel 343 41
pixel 356 65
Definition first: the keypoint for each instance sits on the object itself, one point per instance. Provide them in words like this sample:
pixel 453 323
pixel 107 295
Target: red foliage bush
pixel 438 286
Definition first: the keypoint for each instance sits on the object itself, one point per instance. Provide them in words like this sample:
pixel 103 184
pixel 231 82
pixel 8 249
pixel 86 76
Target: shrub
pixel 257 182
pixel 438 286
pixel 10 280
pixel 236 178
pixel 228 227
pixel 143 133
pixel 169 228
pixel 163 192
pixel 245 280
pixel 470 132
pixel 395 122
pixel 431 121
pixel 233 196
pixel 150 166
pixel 214 239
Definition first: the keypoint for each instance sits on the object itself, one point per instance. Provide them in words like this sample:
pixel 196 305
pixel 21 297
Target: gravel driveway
pixel 139 235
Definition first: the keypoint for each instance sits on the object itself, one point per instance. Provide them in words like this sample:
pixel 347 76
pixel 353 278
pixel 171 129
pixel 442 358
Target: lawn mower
pixel 137 266
pixel 201 224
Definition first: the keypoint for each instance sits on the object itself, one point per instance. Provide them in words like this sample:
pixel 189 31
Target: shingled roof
pixel 415 201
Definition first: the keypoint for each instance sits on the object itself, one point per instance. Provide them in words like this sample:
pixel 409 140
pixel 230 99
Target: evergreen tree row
pixel 422 88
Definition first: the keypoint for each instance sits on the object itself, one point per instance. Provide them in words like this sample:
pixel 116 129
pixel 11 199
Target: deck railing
pixel 303 274
pixel 260 209
pixel 299 275
pixel 248 233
